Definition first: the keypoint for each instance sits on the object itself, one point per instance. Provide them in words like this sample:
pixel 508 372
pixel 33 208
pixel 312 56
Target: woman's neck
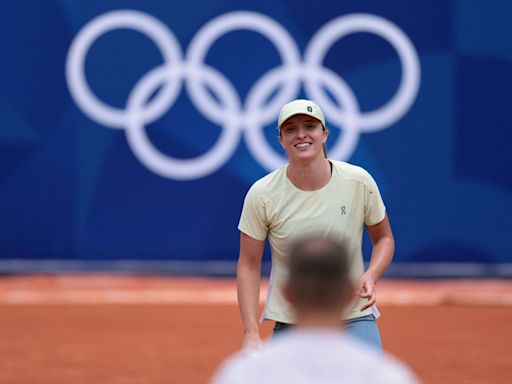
pixel 311 175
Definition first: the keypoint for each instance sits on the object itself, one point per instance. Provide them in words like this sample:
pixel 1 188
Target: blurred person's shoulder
pixel 267 365
pixel 369 365
pixel 246 369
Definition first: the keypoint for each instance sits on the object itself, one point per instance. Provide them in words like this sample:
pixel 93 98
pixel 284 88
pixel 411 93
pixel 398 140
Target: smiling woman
pixel 303 135
pixel 311 194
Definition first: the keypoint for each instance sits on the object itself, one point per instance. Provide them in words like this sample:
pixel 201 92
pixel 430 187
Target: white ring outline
pixel 345 144
pixel 215 29
pixel 75 64
pixel 160 163
pixel 338 28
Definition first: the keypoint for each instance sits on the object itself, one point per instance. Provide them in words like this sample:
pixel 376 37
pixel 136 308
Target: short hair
pixel 318 271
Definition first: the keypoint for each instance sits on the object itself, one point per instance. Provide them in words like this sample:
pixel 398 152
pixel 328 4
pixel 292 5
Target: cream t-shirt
pixel 275 209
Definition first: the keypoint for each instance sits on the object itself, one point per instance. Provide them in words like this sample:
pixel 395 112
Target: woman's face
pixel 303 137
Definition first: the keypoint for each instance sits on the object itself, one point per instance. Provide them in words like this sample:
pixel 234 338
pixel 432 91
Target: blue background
pixel 71 189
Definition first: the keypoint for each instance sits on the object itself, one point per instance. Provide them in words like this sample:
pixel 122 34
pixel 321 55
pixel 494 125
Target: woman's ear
pixel 280 139
pixel 326 135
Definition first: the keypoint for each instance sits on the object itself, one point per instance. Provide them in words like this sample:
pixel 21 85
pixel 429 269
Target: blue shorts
pixel 363 328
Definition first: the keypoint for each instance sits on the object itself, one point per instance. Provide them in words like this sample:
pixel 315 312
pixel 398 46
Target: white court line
pixel 386 296
pixel 108 289
pixel 115 296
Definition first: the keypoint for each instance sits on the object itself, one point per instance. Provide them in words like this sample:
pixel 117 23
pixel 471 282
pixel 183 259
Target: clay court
pixel 120 329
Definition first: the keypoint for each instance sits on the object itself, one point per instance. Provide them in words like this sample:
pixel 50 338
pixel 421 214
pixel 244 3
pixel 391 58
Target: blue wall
pixel 95 184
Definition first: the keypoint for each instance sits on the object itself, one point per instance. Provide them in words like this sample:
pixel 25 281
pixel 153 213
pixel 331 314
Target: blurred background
pixel 131 130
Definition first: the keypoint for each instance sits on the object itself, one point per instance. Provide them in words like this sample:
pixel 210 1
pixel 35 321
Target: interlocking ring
pixel 235 116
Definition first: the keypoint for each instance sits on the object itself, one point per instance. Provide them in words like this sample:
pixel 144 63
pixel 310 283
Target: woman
pixel 310 194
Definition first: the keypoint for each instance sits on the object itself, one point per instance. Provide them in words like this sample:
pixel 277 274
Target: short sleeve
pixel 374 208
pixel 253 220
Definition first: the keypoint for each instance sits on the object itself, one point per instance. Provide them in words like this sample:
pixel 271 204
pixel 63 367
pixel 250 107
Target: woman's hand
pixel 366 289
pixel 251 344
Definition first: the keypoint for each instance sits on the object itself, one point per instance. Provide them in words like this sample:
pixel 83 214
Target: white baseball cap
pixel 300 107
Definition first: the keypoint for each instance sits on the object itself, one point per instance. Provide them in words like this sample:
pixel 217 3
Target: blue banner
pixel 132 130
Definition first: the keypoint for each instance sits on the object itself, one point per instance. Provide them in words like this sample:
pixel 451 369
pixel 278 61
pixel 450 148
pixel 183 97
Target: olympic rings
pixel 235 116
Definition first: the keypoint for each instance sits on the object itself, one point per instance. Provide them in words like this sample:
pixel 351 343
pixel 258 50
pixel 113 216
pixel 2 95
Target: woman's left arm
pixel 382 254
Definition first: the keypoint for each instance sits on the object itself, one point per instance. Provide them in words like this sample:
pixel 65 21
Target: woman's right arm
pixel 248 289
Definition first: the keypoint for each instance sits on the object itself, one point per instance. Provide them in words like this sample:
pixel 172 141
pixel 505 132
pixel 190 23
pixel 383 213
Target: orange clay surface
pixel 120 329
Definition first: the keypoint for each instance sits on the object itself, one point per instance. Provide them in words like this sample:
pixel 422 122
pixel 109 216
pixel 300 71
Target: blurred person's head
pixel 318 284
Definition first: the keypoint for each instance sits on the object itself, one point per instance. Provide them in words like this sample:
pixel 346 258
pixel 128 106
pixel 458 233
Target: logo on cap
pixel 310 109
